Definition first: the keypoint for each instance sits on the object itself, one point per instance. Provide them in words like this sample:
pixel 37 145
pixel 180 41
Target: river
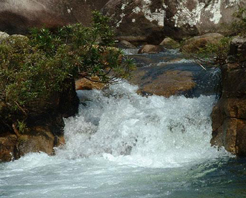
pixel 123 145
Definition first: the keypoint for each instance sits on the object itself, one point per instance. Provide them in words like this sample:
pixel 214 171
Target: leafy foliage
pixel 238 27
pixel 33 69
pixel 213 53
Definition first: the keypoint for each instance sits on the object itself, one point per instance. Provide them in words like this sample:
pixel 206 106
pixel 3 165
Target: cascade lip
pixel 126 128
pixel 204 80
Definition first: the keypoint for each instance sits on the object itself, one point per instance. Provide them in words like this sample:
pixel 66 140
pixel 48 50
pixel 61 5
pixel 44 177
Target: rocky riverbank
pixel 38 126
pixel 135 23
pixel 229 115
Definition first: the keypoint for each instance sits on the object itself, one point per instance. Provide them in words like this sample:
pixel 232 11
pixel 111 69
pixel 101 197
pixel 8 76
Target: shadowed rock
pixel 19 16
pixel 229 115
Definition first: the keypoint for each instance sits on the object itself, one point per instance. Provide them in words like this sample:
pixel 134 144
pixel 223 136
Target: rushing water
pixel 124 145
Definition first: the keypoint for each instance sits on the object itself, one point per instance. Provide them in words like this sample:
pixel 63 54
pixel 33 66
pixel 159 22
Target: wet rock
pixel 194 44
pixel 229 114
pixel 7 147
pixel 169 43
pixel 150 49
pixel 19 16
pixel 38 139
pixel 165 84
pixel 86 84
pixel 42 129
pixel 172 75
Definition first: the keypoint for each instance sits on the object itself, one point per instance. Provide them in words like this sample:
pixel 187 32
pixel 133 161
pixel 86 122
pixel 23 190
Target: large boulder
pixel 137 20
pixel 19 16
pixel 229 115
pixel 153 19
pixel 188 18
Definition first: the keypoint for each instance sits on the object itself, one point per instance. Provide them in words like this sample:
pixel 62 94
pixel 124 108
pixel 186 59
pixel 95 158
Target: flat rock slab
pixel 169 74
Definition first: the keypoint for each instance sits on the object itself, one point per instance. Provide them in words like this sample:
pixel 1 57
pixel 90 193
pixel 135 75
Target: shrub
pixel 211 53
pixel 33 69
pixel 238 27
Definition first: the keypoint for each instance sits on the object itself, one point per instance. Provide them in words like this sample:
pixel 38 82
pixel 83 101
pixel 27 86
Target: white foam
pixel 154 131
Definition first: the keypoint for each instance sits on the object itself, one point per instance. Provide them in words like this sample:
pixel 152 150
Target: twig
pixel 200 65
pixel 21 108
pixel 15 130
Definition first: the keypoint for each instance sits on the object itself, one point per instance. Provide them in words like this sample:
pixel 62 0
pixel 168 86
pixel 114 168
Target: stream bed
pixel 123 145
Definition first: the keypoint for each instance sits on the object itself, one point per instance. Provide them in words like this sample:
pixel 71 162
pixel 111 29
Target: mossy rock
pixel 193 45
pixel 169 43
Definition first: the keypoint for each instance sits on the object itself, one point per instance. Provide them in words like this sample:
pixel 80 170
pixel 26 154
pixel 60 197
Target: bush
pixel 33 69
pixel 215 53
pixel 211 53
pixel 238 27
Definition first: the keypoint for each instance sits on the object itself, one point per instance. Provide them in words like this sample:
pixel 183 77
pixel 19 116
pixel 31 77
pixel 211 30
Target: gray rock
pixel 169 43
pixel 126 44
pixel 150 49
pixel 3 36
pixel 18 17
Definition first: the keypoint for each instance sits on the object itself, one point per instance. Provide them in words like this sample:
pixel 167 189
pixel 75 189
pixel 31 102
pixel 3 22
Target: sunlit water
pixel 124 145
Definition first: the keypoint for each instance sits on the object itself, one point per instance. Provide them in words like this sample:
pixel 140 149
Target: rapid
pixel 124 145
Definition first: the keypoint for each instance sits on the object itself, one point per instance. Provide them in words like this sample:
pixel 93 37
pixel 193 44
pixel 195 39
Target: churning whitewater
pixel 122 126
pixel 123 145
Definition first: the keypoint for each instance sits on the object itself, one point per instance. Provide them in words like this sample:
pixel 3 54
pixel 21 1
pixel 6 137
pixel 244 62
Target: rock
pixel 229 114
pixel 68 100
pixel 126 45
pixel 151 49
pixel 190 18
pixel 38 139
pixel 85 84
pixel 149 20
pixel 19 16
pixel 43 128
pixel 167 84
pixel 169 43
pixel 154 19
pixel 137 18
pixel 3 36
pixel 7 147
pixel 238 47
pixel 172 76
pixel 198 42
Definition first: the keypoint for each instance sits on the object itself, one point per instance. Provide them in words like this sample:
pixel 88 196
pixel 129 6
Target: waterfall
pixel 122 126
pixel 123 145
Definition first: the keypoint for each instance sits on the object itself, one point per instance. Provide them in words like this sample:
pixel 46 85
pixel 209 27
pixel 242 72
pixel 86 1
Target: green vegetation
pixel 212 53
pixel 215 53
pixel 33 69
pixel 238 27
